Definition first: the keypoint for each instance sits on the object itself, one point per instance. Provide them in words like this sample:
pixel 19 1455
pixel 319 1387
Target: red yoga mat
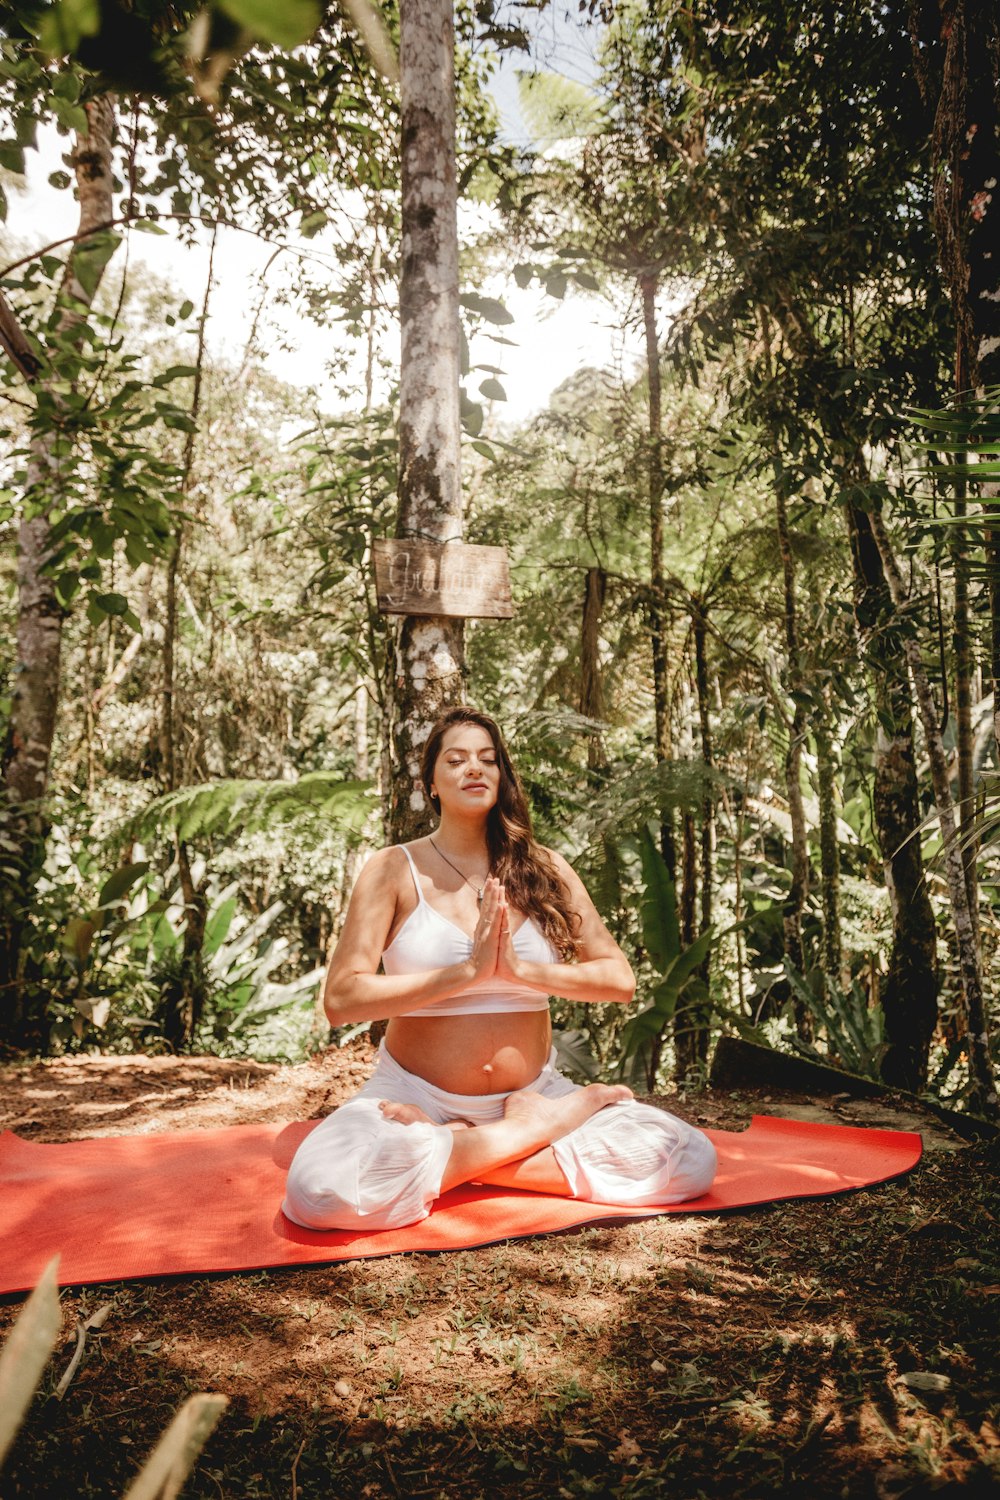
pixel 196 1201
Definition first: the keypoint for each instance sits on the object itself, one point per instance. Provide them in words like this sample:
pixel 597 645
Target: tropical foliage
pixel 754 649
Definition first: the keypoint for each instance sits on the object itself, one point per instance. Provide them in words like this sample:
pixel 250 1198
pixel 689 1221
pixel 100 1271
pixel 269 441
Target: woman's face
pixel 467 772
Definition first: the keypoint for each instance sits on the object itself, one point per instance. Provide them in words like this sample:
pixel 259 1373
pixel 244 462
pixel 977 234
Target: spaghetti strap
pixel 413 872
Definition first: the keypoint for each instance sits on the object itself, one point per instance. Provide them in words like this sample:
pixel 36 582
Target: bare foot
pixel 555 1118
pixel 404 1114
pixel 410 1114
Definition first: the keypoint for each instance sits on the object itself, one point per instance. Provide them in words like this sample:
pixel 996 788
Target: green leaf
pixel 66 86
pixel 91 256
pixel 72 116
pixel 471 414
pixel 26 1351
pixel 492 390
pixel 78 936
pixel 173 1458
pixel 67 586
pixel 660 932
pixel 12 157
pixel 65 23
pixel 680 971
pixel 185 310
pixel 286 24
pixel 121 881
pixel 312 223
pixel 218 925
pixel 488 308
pixel 110 604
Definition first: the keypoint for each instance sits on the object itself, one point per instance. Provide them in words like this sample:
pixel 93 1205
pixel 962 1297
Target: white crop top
pixel 428 940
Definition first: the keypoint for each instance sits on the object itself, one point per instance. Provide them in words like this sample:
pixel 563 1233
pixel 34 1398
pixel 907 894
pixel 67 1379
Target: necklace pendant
pixel 479 896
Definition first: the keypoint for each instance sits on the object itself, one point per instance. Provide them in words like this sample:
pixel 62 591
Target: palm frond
pixel 314 803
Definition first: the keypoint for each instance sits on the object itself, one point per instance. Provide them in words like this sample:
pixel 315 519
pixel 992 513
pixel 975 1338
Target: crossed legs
pixel 380 1162
pixel 516 1151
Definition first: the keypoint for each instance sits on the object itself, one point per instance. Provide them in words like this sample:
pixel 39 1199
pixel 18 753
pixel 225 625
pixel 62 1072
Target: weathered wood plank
pixel 445 579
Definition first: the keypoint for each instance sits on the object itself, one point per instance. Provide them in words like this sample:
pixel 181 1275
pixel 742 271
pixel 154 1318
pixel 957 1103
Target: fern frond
pixel 315 803
pixel 626 803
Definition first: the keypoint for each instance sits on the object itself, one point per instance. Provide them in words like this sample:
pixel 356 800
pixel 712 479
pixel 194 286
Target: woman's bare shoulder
pixel 575 887
pixel 560 861
pixel 383 869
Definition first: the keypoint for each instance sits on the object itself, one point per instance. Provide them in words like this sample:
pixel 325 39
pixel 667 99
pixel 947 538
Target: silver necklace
pixel 477 888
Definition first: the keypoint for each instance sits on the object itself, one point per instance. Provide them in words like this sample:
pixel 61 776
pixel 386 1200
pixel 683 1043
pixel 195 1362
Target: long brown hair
pixel 533 884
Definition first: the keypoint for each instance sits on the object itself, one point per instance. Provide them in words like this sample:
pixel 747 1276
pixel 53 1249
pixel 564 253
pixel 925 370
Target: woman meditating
pixel 473 928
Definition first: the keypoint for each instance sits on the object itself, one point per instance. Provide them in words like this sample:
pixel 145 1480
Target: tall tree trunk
pixel 982 1084
pixel 658 622
pixel 694 1014
pixel 431 655
pixel 591 687
pixel 700 632
pixel 909 996
pixel 686 1019
pixel 964 735
pixel 799 889
pixel 829 844
pixel 965 173
pixel 35 703
pixel 183 995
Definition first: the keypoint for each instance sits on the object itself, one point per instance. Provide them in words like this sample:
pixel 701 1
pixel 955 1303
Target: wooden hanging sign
pixel 442 578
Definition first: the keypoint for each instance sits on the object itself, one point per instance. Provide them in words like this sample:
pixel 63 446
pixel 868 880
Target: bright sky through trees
pixel 550 339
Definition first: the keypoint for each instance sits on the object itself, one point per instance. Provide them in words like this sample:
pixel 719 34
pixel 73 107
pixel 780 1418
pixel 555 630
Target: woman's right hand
pixel 486 938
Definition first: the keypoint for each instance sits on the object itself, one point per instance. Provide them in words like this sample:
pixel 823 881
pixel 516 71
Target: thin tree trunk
pixel 964 736
pixel 699 630
pixel 591 687
pixel 694 1014
pixel 829 844
pixel 34 709
pixel 183 994
pixel 658 622
pixel 909 998
pixel 965 168
pixel 431 656
pixel 689 880
pixel 909 995
pixel 977 127
pixel 799 889
pixel 982 1084
pixel 685 1023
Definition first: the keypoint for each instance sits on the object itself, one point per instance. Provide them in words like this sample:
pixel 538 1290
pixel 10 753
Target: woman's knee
pixel 698 1165
pixel 374 1174
pixel 639 1155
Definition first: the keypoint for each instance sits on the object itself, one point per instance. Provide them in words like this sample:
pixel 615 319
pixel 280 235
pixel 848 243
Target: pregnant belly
pixel 485 1054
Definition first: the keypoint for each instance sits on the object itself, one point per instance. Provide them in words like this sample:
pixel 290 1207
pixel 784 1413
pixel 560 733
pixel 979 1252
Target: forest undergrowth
pixel 830 1347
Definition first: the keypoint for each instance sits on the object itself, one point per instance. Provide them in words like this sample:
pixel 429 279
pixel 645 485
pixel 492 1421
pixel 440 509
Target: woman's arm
pixel 354 989
pixel 601 973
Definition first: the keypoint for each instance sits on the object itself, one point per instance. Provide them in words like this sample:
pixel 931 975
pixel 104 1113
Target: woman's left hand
pixel 508 962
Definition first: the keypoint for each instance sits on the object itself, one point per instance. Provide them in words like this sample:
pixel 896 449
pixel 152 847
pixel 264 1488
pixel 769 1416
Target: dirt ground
pixel 827 1347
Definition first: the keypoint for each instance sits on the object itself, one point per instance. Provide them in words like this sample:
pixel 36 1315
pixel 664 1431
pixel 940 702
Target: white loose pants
pixel 358 1170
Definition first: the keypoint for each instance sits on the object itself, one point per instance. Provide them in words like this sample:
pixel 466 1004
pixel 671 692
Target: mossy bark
pixel 28 750
pixel 430 656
